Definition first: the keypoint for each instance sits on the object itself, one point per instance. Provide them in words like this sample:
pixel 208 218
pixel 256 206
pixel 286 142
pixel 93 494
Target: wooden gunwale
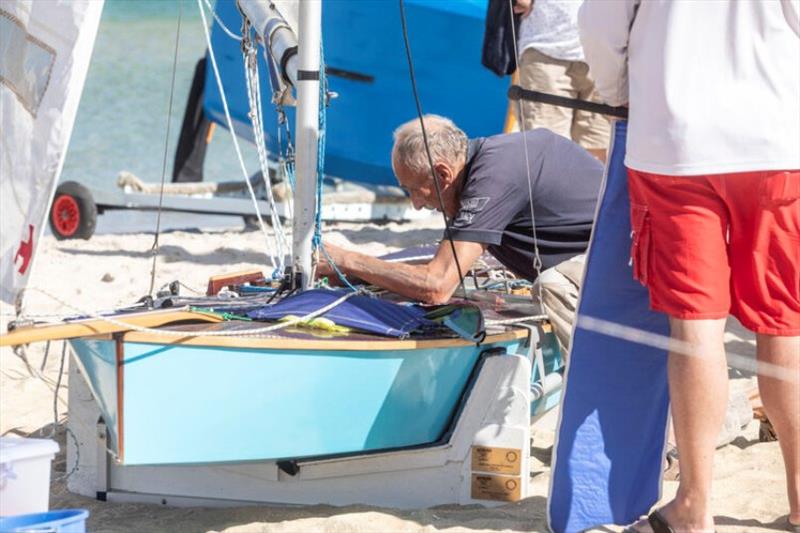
pixel 99 326
pixel 292 343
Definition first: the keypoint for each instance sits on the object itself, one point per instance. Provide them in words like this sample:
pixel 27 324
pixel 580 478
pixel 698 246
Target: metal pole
pixel 307 135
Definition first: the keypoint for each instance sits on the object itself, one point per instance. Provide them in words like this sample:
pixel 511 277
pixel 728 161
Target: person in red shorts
pixel 713 152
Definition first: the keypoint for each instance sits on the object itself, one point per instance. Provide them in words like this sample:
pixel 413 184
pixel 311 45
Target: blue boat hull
pixel 192 404
pixel 365 55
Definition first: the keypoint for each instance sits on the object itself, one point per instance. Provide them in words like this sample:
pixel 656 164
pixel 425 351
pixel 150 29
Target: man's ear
pixel 444 173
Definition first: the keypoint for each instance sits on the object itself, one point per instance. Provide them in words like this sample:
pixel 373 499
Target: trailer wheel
pixel 251 221
pixel 73 214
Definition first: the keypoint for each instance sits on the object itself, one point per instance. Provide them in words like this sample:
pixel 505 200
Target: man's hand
pixel 324 267
pixel 523 7
pixel 433 282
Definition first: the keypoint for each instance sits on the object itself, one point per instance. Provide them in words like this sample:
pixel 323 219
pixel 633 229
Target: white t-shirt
pixel 714 87
pixel 552 29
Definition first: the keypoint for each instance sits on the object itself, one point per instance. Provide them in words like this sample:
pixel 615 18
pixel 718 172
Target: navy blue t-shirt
pixel 495 207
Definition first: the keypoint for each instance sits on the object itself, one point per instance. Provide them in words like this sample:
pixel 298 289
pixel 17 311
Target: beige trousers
pixel 571 79
pixel 560 288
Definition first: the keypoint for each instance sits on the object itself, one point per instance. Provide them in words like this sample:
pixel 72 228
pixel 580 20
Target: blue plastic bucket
pixel 60 521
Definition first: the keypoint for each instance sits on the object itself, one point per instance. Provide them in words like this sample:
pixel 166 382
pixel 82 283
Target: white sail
pixel 45 49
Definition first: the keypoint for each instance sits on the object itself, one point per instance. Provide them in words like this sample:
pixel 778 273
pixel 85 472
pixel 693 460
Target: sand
pixel 112 270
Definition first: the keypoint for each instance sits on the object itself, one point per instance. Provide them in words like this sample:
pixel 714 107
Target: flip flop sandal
pixel 794 528
pixel 766 433
pixel 632 529
pixel 659 524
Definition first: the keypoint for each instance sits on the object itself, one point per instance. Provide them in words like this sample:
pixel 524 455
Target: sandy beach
pixel 71 277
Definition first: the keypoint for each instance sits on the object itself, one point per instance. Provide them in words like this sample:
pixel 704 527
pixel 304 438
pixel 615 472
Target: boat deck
pixel 187 315
pixel 243 333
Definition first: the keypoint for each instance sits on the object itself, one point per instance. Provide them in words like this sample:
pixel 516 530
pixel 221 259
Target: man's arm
pixel 604 29
pixel 433 282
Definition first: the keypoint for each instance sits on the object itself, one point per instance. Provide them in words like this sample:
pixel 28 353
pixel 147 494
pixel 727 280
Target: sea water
pixel 124 111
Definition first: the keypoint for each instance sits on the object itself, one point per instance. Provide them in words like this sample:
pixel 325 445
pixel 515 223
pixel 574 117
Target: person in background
pixel 713 158
pixel 552 61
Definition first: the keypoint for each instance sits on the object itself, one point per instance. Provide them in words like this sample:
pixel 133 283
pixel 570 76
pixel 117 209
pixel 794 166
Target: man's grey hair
pixel 448 144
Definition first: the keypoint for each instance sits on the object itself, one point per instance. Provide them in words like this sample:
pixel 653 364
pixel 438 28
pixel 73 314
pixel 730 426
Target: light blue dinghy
pixel 294 393
pixel 184 393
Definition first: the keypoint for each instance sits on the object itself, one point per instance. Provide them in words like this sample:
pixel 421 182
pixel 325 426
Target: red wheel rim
pixel 66 215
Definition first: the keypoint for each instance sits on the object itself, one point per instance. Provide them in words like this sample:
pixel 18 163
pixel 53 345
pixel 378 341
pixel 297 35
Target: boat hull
pixel 184 403
pixel 368 70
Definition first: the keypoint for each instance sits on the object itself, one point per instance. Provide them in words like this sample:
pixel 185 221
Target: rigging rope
pixel 448 232
pixel 250 57
pixel 537 259
pixel 221 24
pixel 154 248
pixel 321 124
pixel 285 156
pixel 257 332
pixel 229 123
pixel 316 241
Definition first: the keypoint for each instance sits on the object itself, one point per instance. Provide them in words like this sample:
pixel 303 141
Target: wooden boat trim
pixel 289 343
pixel 99 326
pixel 120 360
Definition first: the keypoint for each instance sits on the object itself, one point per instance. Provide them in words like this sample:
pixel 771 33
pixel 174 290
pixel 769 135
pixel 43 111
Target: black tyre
pixel 73 214
pixel 250 222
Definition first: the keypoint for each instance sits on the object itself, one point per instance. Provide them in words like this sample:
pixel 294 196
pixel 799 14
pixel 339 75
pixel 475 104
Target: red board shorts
pixel 710 246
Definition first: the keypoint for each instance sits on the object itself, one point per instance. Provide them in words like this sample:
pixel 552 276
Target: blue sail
pixel 607 462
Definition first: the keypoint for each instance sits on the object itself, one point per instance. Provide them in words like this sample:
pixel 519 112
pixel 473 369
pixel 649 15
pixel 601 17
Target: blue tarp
pixel 361 312
pixel 607 463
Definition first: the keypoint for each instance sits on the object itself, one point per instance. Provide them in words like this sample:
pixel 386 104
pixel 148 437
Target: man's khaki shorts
pixel 561 286
pixel 571 79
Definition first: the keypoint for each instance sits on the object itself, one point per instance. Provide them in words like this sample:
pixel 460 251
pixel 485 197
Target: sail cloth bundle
pixel 360 312
pixel 612 431
pixel 374 315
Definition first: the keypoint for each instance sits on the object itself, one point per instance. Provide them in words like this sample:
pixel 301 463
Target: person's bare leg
pixel 698 389
pixel 782 405
pixel 599 153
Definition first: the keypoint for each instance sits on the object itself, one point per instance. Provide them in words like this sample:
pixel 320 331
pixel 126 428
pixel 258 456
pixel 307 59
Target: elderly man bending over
pixel 492 206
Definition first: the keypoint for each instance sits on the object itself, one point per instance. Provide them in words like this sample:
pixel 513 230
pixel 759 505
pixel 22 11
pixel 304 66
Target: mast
pixel 301 69
pixel 307 136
